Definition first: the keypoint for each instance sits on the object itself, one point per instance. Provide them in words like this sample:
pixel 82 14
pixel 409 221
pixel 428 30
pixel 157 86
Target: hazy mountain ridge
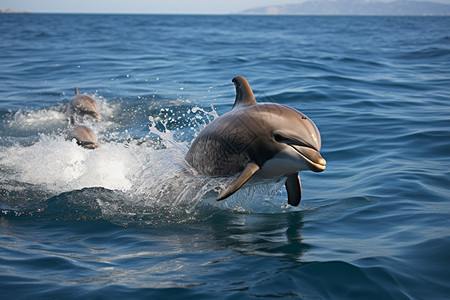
pixel 355 7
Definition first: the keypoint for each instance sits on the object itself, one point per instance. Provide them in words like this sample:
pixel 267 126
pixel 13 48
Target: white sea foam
pixel 148 174
pixel 58 165
pixel 42 119
pixel 55 118
pixel 151 175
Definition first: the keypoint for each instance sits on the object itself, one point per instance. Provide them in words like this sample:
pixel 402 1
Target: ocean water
pixel 130 220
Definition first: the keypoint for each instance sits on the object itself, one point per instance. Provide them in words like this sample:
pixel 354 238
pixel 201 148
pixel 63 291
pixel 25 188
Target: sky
pixel 144 6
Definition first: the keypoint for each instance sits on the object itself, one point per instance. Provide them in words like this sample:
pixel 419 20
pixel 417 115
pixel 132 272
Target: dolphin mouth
pixel 315 161
pixel 88 145
pixel 96 115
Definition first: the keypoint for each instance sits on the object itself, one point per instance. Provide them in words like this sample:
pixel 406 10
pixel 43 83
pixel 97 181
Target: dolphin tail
pixel 245 175
pixel 294 189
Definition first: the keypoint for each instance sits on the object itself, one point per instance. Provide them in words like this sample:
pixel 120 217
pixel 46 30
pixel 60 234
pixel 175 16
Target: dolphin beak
pixel 97 116
pixel 88 145
pixel 315 161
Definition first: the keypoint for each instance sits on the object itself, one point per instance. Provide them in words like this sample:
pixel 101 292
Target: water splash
pixel 43 120
pixel 143 180
pixel 58 165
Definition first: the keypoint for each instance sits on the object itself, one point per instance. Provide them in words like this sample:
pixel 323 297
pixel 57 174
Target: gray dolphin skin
pixel 84 136
pixel 83 105
pixel 267 140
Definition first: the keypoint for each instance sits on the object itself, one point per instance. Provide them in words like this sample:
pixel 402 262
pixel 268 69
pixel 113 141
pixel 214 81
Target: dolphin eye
pixel 278 138
pixel 281 139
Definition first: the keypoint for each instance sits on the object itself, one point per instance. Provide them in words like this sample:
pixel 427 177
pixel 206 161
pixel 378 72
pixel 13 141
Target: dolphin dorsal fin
pixel 244 93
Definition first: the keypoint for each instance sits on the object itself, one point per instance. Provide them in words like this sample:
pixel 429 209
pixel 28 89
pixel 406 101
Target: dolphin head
pixel 83 135
pixel 298 137
pixel 84 105
pixel 293 139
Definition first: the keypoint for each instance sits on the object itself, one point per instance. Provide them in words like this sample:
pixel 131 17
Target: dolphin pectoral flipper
pixel 294 189
pixel 250 169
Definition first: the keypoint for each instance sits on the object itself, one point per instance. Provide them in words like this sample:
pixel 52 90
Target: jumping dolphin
pixel 83 105
pixel 84 136
pixel 268 140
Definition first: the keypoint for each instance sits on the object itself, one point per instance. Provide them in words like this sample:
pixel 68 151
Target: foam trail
pixel 58 165
pixel 42 120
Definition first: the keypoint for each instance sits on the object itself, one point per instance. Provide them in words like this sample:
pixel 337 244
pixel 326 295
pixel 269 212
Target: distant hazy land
pixel 10 11
pixel 355 7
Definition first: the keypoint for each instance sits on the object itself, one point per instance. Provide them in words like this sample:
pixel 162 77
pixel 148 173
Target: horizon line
pixel 8 11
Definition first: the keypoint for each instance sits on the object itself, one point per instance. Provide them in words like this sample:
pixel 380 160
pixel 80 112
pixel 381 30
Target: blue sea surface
pixel 129 220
